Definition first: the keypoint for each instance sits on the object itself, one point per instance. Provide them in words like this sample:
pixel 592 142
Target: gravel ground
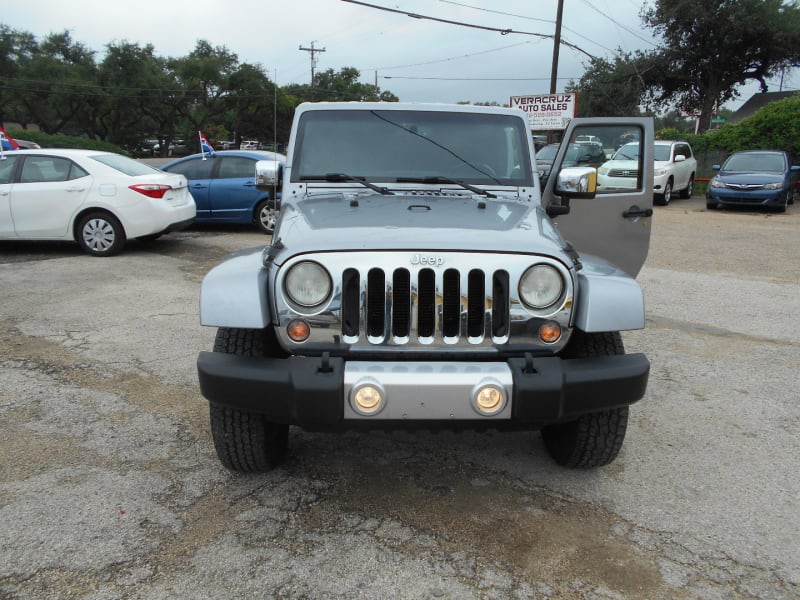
pixel 109 486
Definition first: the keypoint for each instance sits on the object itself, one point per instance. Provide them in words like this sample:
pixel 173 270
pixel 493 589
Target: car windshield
pixel 388 146
pixel 547 153
pixel 628 152
pixel 125 165
pixel 770 163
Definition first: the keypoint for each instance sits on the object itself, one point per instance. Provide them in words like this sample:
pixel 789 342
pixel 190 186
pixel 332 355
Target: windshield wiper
pixel 440 179
pixel 338 177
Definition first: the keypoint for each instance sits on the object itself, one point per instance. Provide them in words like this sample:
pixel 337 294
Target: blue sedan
pixel 224 190
pixel 758 178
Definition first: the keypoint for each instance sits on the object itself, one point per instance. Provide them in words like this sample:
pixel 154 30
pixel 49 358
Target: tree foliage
pixel 775 126
pixel 711 48
pixel 343 86
pixel 132 94
pixel 612 88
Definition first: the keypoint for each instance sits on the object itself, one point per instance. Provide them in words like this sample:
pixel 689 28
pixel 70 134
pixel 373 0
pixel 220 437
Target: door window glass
pixel 236 166
pixel 196 168
pixel 7 168
pixel 615 151
pixel 47 169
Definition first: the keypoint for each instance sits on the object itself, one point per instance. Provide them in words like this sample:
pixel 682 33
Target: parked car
pixel 578 154
pixel 754 178
pixel 250 145
pixel 223 187
pixel 97 199
pixel 27 145
pixel 674 170
pixel 176 148
pixel 229 145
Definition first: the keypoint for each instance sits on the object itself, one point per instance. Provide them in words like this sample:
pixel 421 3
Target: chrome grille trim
pixel 389 300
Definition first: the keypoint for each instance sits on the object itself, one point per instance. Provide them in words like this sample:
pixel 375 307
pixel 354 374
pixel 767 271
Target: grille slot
pixel 417 305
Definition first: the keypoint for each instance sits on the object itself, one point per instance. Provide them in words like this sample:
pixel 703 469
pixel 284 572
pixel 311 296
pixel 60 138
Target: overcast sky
pixel 419 60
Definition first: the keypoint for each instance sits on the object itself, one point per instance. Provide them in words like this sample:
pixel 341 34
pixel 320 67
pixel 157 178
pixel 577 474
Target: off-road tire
pixel 594 439
pixel 245 441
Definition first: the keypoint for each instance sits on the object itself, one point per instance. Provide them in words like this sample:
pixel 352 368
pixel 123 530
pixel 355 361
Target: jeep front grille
pixel 398 300
pixel 401 301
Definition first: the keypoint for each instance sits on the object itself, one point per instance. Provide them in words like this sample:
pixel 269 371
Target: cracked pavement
pixel 110 488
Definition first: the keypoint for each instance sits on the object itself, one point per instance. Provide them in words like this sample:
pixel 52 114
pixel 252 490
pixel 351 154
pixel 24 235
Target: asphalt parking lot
pixel 110 488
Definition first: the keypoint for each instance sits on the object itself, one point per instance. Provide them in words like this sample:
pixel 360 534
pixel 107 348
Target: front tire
pixel 663 199
pixel 100 234
pixel 594 439
pixel 687 193
pixel 247 442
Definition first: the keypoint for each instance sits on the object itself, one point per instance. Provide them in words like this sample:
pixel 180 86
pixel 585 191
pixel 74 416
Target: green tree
pixel 60 81
pixel 776 125
pixel 339 87
pixel 612 88
pixel 16 47
pixel 709 49
pixel 133 79
pixel 203 77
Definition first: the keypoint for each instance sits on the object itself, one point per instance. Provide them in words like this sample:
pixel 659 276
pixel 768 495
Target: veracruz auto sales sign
pixel 547 111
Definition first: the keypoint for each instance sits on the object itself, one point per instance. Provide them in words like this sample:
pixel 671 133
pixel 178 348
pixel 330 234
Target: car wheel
pixel 266 215
pixel 245 441
pixel 594 439
pixel 687 193
pixel 100 234
pixel 663 199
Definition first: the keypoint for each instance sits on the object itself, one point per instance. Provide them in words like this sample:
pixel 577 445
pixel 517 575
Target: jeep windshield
pixel 398 146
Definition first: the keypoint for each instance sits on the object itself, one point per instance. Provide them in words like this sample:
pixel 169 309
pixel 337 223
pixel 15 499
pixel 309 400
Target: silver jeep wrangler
pixel 420 275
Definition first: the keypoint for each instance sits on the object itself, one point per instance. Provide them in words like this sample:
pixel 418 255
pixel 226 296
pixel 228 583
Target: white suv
pixel 674 169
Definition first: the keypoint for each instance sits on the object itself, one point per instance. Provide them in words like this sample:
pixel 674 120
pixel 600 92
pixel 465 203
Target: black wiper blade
pixel 440 179
pixel 334 177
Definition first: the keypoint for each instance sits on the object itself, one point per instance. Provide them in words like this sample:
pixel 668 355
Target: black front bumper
pixel 308 392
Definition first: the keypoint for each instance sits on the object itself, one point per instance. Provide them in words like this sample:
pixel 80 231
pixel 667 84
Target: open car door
pixel 615 224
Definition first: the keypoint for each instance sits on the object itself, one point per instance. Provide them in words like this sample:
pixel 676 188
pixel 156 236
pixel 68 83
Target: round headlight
pixel 307 284
pixel 541 286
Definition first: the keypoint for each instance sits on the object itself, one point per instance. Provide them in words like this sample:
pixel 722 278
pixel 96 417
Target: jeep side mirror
pixel 268 173
pixel 577 182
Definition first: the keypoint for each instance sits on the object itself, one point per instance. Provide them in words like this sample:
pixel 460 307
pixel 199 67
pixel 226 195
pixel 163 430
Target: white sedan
pixel 97 199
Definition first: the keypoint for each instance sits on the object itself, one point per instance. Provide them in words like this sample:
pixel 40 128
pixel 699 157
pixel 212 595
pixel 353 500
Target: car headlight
pixel 660 172
pixel 602 170
pixel 541 286
pixel 307 284
pixel 716 183
pixel 773 186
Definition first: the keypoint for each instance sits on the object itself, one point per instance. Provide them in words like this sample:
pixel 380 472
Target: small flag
pixel 205 147
pixel 6 143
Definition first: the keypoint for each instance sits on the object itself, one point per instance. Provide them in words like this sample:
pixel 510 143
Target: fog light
pixel 549 332
pixel 488 398
pixel 298 330
pixel 367 398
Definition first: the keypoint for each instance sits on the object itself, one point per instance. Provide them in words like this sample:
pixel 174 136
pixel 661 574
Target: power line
pixel 506 14
pixel 470 25
pixel 474 78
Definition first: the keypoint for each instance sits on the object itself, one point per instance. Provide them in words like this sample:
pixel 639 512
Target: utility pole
pixel 556 48
pixel 313 51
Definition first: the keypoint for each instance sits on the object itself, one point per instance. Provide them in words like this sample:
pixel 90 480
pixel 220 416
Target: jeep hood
pixel 419 221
